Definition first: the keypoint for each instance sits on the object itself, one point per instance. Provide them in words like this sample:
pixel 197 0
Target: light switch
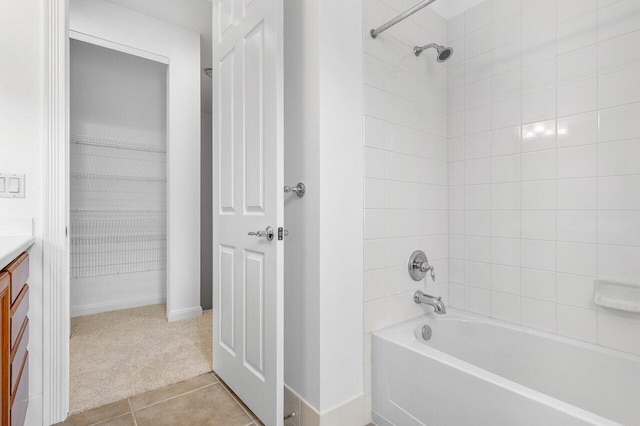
pixel 11 185
pixel 14 185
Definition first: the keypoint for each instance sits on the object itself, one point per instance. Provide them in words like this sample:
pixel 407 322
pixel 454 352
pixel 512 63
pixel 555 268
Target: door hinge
pixel 282 233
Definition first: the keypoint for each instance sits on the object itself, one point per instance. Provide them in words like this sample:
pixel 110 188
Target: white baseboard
pixel 34 411
pixel 181 314
pixel 348 413
pixel 117 305
pixel 104 293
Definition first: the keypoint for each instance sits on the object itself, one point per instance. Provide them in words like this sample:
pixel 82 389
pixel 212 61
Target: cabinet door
pixel 4 347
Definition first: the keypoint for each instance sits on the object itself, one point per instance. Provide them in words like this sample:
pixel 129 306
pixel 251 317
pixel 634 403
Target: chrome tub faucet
pixel 425 299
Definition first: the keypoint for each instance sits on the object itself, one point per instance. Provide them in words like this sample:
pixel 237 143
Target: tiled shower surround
pixel 406 192
pixel 544 163
pixel 540 110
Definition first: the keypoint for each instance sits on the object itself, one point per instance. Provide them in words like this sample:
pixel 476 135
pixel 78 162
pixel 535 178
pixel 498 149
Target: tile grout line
pixel 171 397
pixel 598 195
pixel 557 170
pixel 464 170
pixel 237 400
pixel 135 422
pixel 111 418
pixel 103 421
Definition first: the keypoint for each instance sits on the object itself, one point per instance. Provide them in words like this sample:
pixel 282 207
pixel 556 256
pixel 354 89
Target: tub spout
pixel 422 298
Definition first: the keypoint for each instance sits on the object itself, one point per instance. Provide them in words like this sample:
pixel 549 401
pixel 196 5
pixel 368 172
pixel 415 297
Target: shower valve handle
pixel 425 267
pixel 419 266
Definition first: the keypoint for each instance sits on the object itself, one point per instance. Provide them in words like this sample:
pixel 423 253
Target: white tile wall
pixel 544 163
pixel 515 165
pixel 406 169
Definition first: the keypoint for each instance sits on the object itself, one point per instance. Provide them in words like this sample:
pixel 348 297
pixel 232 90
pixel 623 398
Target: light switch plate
pixel 11 185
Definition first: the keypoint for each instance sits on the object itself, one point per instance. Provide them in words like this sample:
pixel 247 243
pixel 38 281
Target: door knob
pixel 268 233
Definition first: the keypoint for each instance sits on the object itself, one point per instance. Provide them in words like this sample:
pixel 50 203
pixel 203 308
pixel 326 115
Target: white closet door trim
pixel 88 38
pixel 55 208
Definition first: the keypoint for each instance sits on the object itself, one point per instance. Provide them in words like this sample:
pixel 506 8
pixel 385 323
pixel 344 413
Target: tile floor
pixel 203 400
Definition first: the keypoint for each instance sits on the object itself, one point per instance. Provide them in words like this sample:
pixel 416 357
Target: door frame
pixel 55 209
pixel 55 206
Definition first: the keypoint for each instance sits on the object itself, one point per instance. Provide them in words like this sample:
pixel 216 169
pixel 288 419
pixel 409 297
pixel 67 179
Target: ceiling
pixel 195 15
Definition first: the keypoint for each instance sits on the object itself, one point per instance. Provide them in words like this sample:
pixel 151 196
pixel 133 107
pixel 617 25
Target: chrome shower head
pixel 444 53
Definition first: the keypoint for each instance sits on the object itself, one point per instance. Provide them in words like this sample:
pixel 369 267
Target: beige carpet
pixel 116 355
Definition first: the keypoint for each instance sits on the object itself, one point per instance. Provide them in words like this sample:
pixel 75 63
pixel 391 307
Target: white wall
pixel 182 48
pixel 544 166
pixel 116 96
pixel 405 166
pixel 341 201
pixel 21 102
pixel 302 216
pixel 323 253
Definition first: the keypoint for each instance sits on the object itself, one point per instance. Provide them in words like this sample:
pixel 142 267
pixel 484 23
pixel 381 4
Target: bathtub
pixel 478 371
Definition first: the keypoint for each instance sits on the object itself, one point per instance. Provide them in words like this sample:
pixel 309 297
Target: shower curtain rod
pixel 377 31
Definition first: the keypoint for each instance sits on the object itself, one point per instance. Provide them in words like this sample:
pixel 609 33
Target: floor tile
pixel 211 406
pixel 126 420
pixel 158 395
pixel 99 414
pixel 239 401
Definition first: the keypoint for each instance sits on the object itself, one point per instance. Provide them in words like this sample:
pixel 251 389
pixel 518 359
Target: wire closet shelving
pixel 118 200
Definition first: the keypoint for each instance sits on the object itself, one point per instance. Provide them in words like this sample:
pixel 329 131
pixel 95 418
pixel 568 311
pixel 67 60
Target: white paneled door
pixel 248 202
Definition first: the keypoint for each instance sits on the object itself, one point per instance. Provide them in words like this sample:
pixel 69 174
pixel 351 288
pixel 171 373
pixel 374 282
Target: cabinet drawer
pixel 19 312
pixel 20 398
pixel 5 280
pixel 18 356
pixel 19 272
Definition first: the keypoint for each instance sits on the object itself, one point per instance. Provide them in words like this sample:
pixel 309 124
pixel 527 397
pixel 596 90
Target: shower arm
pixel 377 31
pixel 417 50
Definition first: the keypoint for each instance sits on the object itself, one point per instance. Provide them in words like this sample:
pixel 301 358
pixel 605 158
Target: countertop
pixel 12 247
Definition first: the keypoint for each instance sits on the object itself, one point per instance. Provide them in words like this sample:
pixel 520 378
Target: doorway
pixel 134 205
pixel 120 338
pixel 165 43
pixel 118 180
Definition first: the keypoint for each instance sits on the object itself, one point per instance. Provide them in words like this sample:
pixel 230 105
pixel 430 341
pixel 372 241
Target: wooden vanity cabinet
pixel 14 307
pixel 5 372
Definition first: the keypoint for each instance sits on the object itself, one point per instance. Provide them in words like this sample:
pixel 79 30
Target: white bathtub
pixel 477 371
